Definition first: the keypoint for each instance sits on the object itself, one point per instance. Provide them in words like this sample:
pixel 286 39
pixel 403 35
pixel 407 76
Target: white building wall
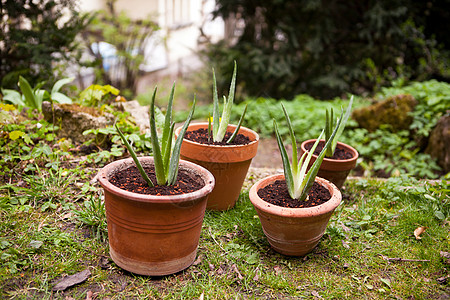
pixel 180 21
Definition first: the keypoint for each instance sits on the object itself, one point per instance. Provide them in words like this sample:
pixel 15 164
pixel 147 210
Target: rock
pixel 439 142
pixel 139 113
pixel 394 111
pixel 73 120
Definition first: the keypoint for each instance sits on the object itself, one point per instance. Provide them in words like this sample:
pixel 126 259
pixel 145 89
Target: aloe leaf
pixel 175 159
pixel 216 108
pixel 133 155
pixel 312 173
pixel 310 153
pixel 157 157
pixel 293 141
pixel 27 92
pixel 233 136
pixel 344 121
pixel 167 152
pixel 228 104
pixel 286 164
pixel 209 128
pixel 329 120
pixel 224 119
pixel 167 123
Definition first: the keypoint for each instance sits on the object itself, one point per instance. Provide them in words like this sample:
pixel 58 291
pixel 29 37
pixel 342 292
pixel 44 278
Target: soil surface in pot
pixel 340 153
pixel 277 194
pixel 201 136
pixel 131 180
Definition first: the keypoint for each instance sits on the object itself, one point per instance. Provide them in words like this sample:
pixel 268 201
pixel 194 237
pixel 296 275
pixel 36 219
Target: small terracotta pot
pixel 294 231
pixel 228 164
pixel 154 235
pixel 334 170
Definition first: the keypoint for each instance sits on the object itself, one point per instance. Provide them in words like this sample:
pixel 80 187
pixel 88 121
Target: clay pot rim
pixel 267 207
pixel 350 148
pixel 230 126
pixel 199 170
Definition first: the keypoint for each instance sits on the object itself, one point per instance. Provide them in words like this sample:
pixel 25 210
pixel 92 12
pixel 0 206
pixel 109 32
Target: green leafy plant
pixel 299 182
pixel 33 97
pixel 166 157
pixel 329 123
pixel 94 94
pixel 219 125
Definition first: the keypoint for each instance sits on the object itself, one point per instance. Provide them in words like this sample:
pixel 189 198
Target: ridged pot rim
pixel 318 210
pixel 341 161
pixel 122 164
pixel 226 153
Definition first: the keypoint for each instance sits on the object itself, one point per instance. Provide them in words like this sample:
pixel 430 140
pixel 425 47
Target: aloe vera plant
pixel 166 157
pixel 219 125
pixel 299 181
pixel 329 123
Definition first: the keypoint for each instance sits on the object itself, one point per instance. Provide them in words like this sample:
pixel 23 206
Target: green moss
pixel 393 111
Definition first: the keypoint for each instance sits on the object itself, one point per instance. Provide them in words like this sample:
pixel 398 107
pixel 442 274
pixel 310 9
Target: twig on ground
pixel 403 259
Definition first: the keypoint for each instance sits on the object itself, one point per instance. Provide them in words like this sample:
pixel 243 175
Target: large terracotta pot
pixel 334 170
pixel 228 164
pixel 294 231
pixel 154 235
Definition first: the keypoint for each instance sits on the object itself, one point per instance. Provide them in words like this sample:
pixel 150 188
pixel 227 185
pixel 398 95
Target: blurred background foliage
pixel 326 48
pixel 37 40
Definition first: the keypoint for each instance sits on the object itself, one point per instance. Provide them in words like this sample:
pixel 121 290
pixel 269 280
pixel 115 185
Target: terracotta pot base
pixel 152 268
pixel 293 247
pixel 154 235
pixel 294 231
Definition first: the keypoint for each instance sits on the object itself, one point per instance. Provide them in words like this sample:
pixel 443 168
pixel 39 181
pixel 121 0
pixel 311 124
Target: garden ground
pixel 369 250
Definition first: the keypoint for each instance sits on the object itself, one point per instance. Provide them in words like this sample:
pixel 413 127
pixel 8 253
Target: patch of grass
pixel 374 225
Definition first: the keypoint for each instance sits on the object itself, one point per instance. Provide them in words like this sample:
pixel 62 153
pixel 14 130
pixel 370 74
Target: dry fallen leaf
pixel 89 295
pixel 419 231
pixel 316 294
pixel 256 277
pixel 72 280
pixel 235 269
pixel 345 228
pixel 198 260
pixel 277 270
pixel 345 244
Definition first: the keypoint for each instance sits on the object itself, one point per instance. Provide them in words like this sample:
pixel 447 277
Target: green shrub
pixel 325 48
pixel 32 51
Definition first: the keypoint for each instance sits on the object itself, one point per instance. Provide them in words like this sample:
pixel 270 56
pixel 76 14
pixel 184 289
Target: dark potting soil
pixel 131 180
pixel 277 194
pixel 201 136
pixel 340 153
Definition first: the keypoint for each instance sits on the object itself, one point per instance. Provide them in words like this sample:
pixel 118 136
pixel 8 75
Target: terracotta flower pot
pixel 154 235
pixel 294 231
pixel 228 164
pixel 334 170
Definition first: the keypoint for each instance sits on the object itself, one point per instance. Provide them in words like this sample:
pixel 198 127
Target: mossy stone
pixel 393 111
